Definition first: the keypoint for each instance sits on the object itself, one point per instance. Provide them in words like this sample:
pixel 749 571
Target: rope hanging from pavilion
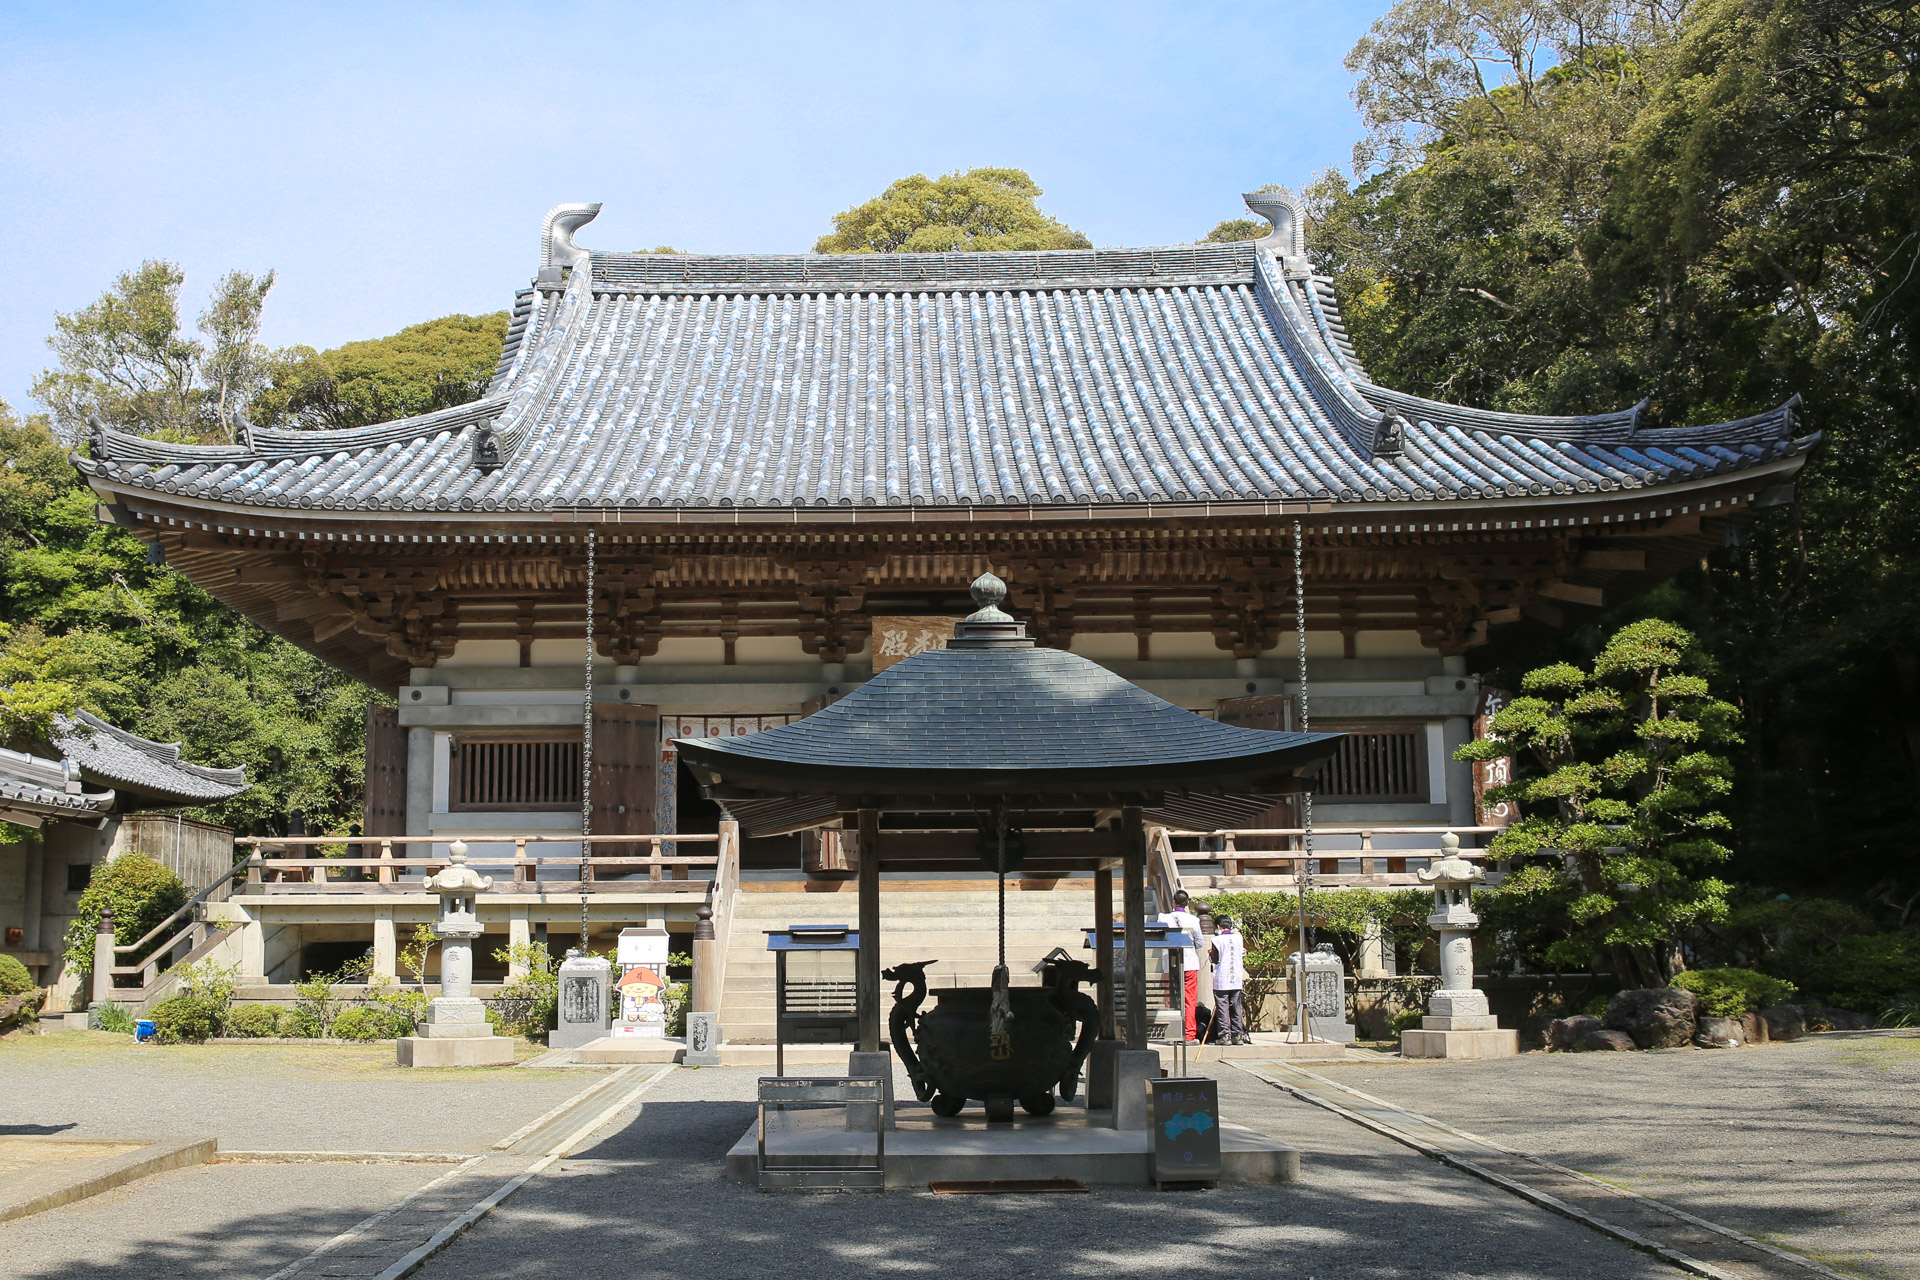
pixel 1303 866
pixel 1000 1007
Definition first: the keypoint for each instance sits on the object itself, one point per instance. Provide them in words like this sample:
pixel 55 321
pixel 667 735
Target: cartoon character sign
pixel 641 1005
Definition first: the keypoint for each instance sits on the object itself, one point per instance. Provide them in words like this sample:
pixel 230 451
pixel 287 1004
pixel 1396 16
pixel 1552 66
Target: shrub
pixel 254 1021
pixel 14 978
pixel 371 1022
pixel 300 1024
pixel 211 982
pixel 185 1019
pixel 1901 1011
pixel 526 1005
pixel 407 1008
pixel 108 1016
pixel 1728 993
pixel 139 891
pixel 1405 1020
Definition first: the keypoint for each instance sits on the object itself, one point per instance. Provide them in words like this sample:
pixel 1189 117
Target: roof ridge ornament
pixel 1287 213
pixel 989 626
pixel 557 249
pixel 486 447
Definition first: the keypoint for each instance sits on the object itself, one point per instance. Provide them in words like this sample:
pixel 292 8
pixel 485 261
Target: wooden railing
pixel 710 985
pixel 387 870
pixel 1274 868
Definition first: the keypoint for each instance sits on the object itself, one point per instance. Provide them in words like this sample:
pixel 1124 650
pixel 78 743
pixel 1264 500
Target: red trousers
pixel 1193 1002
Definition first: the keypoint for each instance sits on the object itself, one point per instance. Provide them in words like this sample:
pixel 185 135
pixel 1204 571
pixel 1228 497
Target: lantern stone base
pixel 1490 1043
pixel 443 1050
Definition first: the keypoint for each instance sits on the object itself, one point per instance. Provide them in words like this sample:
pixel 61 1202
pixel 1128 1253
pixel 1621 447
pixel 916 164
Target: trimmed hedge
pixel 186 1019
pixel 371 1022
pixel 254 1021
pixel 14 978
pixel 1728 993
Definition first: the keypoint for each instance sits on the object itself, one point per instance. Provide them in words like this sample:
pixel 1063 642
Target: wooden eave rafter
pixel 345 585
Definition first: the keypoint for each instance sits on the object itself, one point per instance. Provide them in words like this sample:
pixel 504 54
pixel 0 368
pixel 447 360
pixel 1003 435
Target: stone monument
pixel 586 983
pixel 1324 980
pixel 456 1032
pixel 1458 1023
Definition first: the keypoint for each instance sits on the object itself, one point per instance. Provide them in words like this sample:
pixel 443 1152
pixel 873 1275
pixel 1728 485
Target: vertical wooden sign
pixel 1491 773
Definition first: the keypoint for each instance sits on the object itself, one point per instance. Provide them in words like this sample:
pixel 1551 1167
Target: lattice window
pixel 522 771
pixel 1376 764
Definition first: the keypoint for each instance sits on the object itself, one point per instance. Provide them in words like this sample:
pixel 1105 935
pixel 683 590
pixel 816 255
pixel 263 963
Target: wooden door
pixel 626 749
pixel 384 802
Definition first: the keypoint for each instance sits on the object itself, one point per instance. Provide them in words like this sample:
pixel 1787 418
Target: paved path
pixel 1809 1145
pixel 276 1097
pixel 650 1197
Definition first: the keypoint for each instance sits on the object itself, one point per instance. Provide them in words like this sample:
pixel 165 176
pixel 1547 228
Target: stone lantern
pixel 456 1032
pixel 1458 1023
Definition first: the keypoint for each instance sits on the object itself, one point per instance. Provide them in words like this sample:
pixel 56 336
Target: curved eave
pixel 1508 512
pixel 1274 772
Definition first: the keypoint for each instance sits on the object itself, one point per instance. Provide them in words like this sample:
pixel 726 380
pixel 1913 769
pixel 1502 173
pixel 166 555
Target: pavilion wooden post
pixel 1103 947
pixel 1133 896
pixel 867 964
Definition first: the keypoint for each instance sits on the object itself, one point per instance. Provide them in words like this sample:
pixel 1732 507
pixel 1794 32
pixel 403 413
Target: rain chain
pixel 1303 873
pixel 586 747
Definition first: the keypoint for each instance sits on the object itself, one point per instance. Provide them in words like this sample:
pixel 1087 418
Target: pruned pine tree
pixel 1619 778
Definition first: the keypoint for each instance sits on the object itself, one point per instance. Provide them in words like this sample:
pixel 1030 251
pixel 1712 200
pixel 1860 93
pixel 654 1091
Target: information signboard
pixel 1186 1129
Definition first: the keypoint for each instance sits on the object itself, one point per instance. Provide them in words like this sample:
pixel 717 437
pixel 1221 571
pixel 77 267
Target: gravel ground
pixel 1808 1145
pixel 89 1084
pixel 213 1220
pixel 650 1197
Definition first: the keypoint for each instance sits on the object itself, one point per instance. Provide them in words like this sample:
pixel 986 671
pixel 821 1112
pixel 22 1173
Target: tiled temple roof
pixel 140 766
pixel 1216 373
pixel 34 790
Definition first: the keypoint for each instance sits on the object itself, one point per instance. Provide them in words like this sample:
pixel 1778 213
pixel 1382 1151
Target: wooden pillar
pixel 706 963
pixel 867 969
pixel 1133 895
pixel 1103 947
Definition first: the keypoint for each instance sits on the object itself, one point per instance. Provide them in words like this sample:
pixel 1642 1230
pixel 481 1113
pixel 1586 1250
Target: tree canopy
pixel 88 620
pixel 125 358
pixel 972 209
pixel 423 367
pixel 1710 205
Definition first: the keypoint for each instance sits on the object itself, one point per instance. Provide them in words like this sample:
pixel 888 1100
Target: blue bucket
pixel 143 1031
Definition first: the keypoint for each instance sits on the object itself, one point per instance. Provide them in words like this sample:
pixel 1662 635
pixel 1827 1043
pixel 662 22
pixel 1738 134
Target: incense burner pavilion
pixel 780 474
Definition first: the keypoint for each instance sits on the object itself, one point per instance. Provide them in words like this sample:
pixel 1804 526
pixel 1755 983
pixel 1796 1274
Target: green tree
pixel 1620 784
pixel 423 367
pixel 1237 229
pixel 972 209
pixel 141 894
pixel 125 358
pixel 88 620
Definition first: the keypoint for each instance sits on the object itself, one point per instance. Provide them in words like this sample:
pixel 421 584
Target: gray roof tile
pixel 1196 373
pixel 140 765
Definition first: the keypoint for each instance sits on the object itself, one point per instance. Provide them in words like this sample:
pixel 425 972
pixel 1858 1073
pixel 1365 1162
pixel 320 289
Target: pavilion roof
pixel 999 719
pixel 1216 372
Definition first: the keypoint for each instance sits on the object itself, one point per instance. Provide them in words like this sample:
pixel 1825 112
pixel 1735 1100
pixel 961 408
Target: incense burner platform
pixel 1069 1143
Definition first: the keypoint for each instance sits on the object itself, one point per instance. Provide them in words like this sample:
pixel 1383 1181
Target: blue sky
pixel 392 162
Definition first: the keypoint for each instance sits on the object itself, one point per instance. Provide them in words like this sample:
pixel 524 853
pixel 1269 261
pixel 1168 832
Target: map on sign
pixel 1198 1122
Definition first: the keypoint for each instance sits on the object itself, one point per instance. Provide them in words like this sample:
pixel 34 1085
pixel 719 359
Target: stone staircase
pixel 918 921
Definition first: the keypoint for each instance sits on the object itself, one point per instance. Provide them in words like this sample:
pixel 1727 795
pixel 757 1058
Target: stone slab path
pixel 1687 1241
pixel 1808 1145
pixel 649 1196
